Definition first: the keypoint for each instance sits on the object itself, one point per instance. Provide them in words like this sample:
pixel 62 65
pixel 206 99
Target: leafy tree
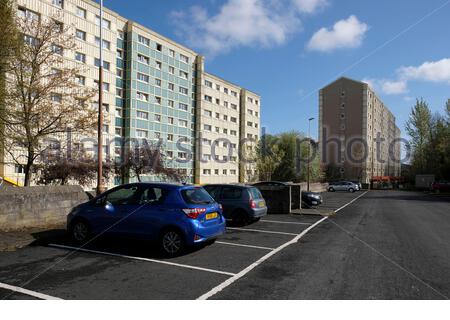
pixel 42 93
pixel 418 127
pixel 147 159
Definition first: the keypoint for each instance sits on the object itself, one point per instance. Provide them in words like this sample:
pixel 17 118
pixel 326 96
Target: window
pixel 225 104
pixel 158 82
pixel 250 100
pixel 59 26
pixel 118 132
pixel 28 14
pixel 208 84
pixel 144 40
pixel 106 44
pixel 257 102
pixel 217 87
pixel 225 131
pixel 183 106
pixel 106 64
pixel 105 23
pixel 182 155
pixel 184 75
pixel 171 86
pixel 217 129
pixel 233 132
pixel 170 154
pixel 225 172
pixel 159 47
pixel 120 34
pixel 225 117
pixel 183 123
pixel 218 101
pixel 81 57
pixel 80 34
pixel 81 12
pixel 119 112
pixel 207 127
pixel 158 100
pixel 143 77
pixel 249 123
pixel 171 70
pixel 143 59
pixel 119 92
pixel 80 80
pixel 57 49
pixel 172 53
pixel 170 137
pixel 225 90
pixel 171 103
pixel 119 73
pixel 142 133
pixel 256 114
pixel 233 172
pixel 170 120
pixel 231 193
pixel 234 93
pixel 142 96
pixel 233 119
pixel 233 106
pixel 142 115
pixel 157 117
pixel 184 58
pixel 158 65
pixel 208 98
pixel 58 3
pixel 207 113
pixel 183 90
pixel 217 115
pixel 250 112
pixel 56 97
pixel 105 85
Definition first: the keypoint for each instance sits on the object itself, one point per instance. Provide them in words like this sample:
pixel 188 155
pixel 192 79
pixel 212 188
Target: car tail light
pixel 252 204
pixel 194 213
pixel 220 207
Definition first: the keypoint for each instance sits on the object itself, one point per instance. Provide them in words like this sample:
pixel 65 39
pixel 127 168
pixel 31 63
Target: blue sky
pixel 286 50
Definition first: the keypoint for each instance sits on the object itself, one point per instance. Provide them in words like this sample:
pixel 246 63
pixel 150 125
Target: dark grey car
pixel 241 203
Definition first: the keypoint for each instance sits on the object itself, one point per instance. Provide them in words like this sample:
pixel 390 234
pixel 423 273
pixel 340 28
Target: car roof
pixel 167 185
pixel 237 185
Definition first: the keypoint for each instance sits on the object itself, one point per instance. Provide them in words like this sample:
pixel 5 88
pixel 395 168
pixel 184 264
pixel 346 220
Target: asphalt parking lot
pixel 121 269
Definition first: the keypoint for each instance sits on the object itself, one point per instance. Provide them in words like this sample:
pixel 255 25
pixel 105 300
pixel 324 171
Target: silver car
pixel 343 186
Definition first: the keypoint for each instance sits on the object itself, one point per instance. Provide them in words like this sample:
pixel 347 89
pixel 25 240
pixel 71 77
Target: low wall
pixel 315 187
pixel 31 207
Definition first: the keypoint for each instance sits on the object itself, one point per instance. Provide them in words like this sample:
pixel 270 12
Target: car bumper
pixel 258 213
pixel 203 233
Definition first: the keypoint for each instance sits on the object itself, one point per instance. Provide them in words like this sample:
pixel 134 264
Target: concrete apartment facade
pixel 155 89
pixel 358 135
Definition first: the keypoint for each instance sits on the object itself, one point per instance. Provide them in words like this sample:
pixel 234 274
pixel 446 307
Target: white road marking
pixel 286 222
pixel 263 231
pixel 28 292
pixel 242 273
pixel 142 259
pixel 244 245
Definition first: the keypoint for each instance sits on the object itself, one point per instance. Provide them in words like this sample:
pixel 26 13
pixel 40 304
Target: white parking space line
pixel 28 292
pixel 242 273
pixel 244 245
pixel 263 231
pixel 143 259
pixel 286 222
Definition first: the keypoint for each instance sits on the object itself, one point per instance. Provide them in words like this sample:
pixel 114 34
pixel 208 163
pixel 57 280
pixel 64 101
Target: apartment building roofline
pixel 140 26
pixel 230 83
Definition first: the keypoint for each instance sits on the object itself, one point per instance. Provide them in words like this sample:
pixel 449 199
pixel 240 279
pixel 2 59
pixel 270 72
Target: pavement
pixel 379 245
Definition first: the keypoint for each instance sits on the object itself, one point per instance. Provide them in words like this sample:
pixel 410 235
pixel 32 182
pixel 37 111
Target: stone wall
pixel 31 207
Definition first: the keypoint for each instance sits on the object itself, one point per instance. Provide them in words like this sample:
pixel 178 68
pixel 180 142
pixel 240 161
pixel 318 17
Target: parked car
pixel 440 186
pixel 342 186
pixel 358 184
pixel 309 199
pixel 241 203
pixel 174 216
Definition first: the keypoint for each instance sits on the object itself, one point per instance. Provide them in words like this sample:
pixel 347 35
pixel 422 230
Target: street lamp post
pixel 309 152
pixel 100 186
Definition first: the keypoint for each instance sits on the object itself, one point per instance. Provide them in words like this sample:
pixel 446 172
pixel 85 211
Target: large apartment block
pixel 358 136
pixel 155 89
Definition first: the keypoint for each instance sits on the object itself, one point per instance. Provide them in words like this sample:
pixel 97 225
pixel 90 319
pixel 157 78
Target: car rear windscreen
pixel 196 196
pixel 255 193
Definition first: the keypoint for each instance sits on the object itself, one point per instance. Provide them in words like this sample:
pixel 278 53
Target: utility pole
pixel 100 186
pixel 309 152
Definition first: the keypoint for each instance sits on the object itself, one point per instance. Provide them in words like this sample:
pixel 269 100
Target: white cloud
pixel 310 6
pixel 394 87
pixel 262 23
pixel 347 33
pixel 434 71
pixel 387 86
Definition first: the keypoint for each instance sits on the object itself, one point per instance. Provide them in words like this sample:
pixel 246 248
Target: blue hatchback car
pixel 173 215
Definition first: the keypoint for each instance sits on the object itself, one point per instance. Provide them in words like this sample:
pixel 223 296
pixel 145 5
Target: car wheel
pixel 80 231
pixel 351 190
pixel 172 242
pixel 331 189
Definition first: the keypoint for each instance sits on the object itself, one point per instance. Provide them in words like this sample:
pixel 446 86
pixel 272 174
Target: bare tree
pixel 44 94
pixel 146 159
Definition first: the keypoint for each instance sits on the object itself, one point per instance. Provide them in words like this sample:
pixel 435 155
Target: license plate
pixel 262 204
pixel 210 216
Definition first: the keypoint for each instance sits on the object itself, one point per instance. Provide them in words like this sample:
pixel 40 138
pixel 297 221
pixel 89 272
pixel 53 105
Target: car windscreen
pixel 256 194
pixel 196 196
